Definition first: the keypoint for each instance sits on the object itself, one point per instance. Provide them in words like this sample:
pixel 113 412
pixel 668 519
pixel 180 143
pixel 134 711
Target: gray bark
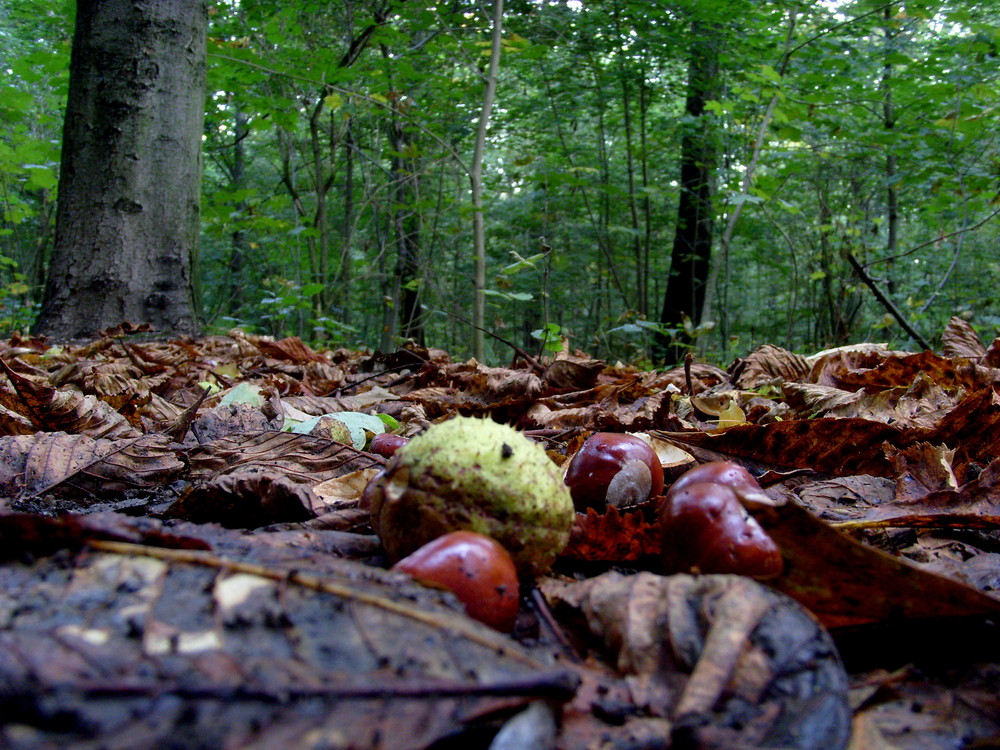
pixel 127 223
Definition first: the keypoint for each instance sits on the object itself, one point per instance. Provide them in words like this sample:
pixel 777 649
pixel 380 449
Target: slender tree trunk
pixel 127 224
pixel 476 178
pixel 406 227
pixel 633 201
pixel 319 245
pixel 826 312
pixel 647 207
pixel 692 249
pixel 889 123
pixel 238 249
pixel 748 176
pixel 348 233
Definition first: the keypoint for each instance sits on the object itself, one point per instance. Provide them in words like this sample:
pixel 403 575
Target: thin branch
pixel 835 27
pixel 886 302
pixel 934 241
pixel 456 623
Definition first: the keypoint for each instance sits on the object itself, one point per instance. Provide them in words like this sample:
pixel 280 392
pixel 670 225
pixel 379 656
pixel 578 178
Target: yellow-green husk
pixel 476 475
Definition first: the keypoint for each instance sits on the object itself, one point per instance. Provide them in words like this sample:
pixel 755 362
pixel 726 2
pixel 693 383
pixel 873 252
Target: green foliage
pixel 549 336
pixel 34 55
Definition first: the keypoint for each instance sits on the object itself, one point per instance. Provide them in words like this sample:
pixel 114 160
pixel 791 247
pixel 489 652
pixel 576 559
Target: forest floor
pixel 187 558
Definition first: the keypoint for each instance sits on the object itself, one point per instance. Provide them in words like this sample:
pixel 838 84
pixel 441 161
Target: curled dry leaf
pixel 309 459
pixel 573 373
pixel 12 423
pixel 974 505
pixel 921 469
pixel 845 582
pixel 66 409
pixel 713 655
pixel 768 364
pixel 76 464
pixel 292 349
pixel 959 339
pixel 473 388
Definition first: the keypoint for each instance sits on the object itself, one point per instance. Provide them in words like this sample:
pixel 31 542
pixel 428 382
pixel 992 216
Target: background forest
pixel 824 148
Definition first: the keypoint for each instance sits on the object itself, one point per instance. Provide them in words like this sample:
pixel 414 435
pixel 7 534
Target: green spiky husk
pixel 476 475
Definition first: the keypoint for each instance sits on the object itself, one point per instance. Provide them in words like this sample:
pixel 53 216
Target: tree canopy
pixel 853 149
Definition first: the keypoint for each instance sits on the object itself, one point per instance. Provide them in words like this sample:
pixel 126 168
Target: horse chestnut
pixel 385 444
pixel 473 475
pixel 705 528
pixel 613 469
pixel 476 568
pixel 728 473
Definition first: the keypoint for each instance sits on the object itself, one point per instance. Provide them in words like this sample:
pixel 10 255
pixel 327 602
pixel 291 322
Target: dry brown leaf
pixel 304 458
pixel 768 364
pixel 12 423
pixel 292 349
pixel 845 582
pixel 992 356
pixel 901 370
pixel 959 339
pixel 844 498
pixel 573 373
pixel 920 469
pixel 825 366
pixel 45 462
pixel 835 446
pixel 975 505
pixel 66 409
pixel 972 428
pixel 246 500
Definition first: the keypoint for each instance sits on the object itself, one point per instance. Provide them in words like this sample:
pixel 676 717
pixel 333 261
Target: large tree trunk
pixel 689 260
pixel 127 223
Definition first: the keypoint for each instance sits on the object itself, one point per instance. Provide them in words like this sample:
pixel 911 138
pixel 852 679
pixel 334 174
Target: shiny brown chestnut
pixel 728 473
pixel 613 468
pixel 385 444
pixel 476 568
pixel 704 528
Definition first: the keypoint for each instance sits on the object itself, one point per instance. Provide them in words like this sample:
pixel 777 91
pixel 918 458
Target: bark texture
pixel 692 250
pixel 127 223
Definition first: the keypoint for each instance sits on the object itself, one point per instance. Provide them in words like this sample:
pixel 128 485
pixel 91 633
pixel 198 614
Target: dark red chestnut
pixel 727 473
pixel 476 568
pixel 613 468
pixel 704 528
pixel 386 443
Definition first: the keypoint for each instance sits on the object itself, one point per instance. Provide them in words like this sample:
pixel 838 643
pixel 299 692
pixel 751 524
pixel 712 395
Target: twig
pixel 937 239
pixel 886 302
pixel 688 382
pixel 455 622
pixel 533 363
